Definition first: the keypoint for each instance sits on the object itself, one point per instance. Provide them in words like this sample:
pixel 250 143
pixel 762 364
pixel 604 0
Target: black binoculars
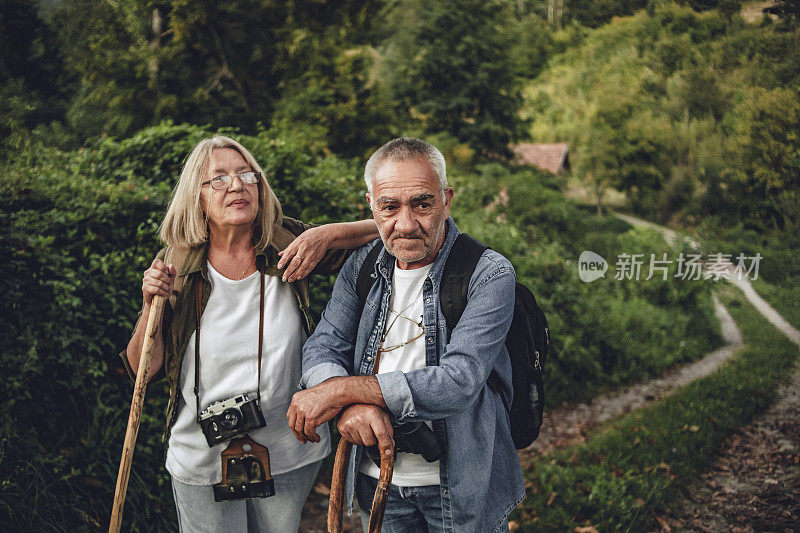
pixel 411 437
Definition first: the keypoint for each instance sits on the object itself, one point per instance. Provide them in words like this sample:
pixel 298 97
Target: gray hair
pixel 405 149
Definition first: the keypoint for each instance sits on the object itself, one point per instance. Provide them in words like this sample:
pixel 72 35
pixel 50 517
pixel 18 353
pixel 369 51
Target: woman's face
pixel 238 204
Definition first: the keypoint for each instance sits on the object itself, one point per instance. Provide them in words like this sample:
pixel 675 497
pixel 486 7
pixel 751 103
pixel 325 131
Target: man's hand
pixel 367 424
pixel 313 407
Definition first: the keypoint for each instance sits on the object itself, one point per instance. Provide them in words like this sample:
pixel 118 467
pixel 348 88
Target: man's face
pixel 410 210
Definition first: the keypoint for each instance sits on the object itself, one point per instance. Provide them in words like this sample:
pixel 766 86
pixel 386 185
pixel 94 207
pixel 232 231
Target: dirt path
pixel 755 483
pixel 315 511
pixel 736 277
pixel 570 424
pixel 673 237
pixel 761 305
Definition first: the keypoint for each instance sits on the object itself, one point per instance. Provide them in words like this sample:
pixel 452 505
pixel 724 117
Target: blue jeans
pixel 197 510
pixel 408 509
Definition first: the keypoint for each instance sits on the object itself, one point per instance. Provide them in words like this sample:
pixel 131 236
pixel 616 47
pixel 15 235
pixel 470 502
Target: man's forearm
pixel 312 407
pixel 356 389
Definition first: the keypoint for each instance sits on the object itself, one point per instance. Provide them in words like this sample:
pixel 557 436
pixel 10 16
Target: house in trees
pixel 553 157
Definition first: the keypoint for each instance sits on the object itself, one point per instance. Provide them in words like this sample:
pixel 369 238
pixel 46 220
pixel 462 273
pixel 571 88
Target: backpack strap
pixel 458 270
pixel 365 281
pixel 461 263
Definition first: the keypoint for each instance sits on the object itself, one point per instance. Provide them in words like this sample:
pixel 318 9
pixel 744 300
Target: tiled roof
pixel 552 157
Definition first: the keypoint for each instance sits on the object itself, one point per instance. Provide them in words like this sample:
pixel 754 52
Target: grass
pixel 628 473
pixel 784 298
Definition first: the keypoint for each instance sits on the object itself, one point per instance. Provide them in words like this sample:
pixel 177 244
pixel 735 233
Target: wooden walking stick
pixel 335 503
pixel 137 404
pixel 340 463
pixel 381 493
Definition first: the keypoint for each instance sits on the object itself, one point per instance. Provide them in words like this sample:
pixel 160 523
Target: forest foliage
pixel 690 114
pixel 689 111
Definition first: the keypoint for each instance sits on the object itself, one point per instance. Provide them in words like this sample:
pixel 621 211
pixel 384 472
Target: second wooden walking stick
pixel 337 489
pixel 137 404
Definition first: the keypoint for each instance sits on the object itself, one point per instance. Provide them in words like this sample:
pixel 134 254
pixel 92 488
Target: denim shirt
pixel 481 478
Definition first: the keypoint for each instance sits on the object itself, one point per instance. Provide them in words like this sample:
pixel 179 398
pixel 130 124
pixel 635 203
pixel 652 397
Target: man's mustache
pixel 414 235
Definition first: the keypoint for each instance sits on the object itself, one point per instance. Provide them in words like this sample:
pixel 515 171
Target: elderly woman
pixel 243 272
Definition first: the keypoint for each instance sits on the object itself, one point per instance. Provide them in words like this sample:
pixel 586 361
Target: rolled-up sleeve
pixel 397 395
pixel 436 392
pixel 329 351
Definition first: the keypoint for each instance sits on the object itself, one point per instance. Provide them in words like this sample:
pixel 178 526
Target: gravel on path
pixel 755 483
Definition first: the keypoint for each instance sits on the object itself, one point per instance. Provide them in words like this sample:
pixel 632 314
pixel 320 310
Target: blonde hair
pixel 185 224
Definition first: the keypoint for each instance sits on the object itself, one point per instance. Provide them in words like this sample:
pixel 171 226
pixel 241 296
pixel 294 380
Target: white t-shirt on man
pixel 229 366
pixel 402 324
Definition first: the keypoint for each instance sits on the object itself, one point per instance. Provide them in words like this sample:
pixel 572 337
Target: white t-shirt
pixel 402 324
pixel 228 367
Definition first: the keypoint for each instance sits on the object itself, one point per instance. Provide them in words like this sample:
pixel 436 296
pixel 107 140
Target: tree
pixel 766 154
pixel 449 69
pixel 226 64
pixel 29 68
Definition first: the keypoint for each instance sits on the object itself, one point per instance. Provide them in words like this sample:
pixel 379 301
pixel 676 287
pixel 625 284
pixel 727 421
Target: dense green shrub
pixel 73 247
pixel 78 229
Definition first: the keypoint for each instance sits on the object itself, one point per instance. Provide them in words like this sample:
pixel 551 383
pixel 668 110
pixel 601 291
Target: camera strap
pixel 198 302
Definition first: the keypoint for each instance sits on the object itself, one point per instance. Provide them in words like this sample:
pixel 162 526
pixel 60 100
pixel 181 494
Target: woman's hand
pixel 303 254
pixel 157 280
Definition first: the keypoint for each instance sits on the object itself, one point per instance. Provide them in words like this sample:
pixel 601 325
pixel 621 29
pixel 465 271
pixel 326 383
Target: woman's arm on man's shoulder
pixel 323 249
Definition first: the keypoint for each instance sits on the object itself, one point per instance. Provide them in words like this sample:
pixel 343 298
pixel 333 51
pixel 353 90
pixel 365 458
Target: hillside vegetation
pixel 689 112
pixel 78 229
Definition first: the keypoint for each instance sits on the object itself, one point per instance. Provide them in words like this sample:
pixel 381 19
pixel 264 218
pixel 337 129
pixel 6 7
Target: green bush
pixel 78 229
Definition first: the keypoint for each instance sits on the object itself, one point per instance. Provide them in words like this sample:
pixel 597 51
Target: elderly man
pixel 390 361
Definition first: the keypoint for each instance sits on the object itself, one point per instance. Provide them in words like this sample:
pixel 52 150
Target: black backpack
pixel 528 339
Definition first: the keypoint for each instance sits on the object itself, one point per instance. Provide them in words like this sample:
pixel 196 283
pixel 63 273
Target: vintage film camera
pixel 229 419
pixel 245 472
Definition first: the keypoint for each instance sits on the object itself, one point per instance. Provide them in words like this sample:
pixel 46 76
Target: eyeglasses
pixel 419 324
pixel 223 182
